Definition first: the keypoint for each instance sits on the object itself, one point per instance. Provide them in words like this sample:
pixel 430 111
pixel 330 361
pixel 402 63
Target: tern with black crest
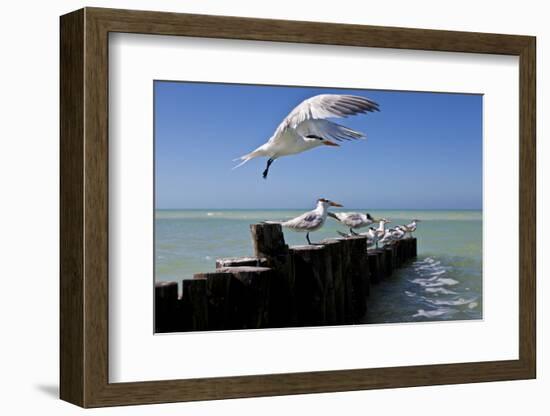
pixel 354 220
pixel 410 228
pixel 311 220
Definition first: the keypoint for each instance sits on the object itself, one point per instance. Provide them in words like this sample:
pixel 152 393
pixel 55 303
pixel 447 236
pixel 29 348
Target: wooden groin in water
pixel 281 286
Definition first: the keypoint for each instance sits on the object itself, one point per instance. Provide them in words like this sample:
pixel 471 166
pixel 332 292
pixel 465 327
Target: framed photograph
pixel 255 207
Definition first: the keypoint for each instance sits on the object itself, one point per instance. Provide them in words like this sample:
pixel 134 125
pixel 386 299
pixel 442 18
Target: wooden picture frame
pixel 84 207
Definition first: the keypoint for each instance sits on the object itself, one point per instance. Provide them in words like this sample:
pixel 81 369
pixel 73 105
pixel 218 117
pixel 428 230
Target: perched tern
pixel 410 228
pixel 392 235
pixel 372 238
pixel 306 127
pixel 310 221
pixel 381 230
pixel 352 219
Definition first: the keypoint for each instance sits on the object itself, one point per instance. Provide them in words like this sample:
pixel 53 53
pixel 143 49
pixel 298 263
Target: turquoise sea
pixel 443 283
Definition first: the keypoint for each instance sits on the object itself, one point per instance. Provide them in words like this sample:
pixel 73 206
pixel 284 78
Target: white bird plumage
pixel 380 232
pixel 410 228
pixel 372 237
pixel 392 235
pixel 311 220
pixel 306 127
pixel 354 220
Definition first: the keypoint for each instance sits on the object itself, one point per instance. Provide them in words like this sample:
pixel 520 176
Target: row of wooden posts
pixel 281 286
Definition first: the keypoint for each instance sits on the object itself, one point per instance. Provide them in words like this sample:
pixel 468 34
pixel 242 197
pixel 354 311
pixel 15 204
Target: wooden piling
pixel 167 317
pixel 409 246
pixel 374 267
pixel 347 275
pixel 414 248
pixel 269 243
pixel 386 261
pixel 313 271
pixel 400 251
pixel 340 258
pixel 359 276
pixel 382 264
pixel 313 285
pixel 240 261
pixel 194 302
pixel 390 260
pixel 223 300
pixel 254 285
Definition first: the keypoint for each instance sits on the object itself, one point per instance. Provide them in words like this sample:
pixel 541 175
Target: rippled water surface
pixel 443 283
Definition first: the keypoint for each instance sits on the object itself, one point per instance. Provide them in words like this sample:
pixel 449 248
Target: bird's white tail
pixel 247 157
pixel 243 160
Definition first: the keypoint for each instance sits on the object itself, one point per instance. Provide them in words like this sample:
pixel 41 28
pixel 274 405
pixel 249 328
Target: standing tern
pixel 372 237
pixel 306 127
pixel 392 235
pixel 310 221
pixel 410 228
pixel 352 219
pixel 381 230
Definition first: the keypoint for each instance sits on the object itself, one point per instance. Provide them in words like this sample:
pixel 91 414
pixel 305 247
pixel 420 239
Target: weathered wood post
pixel 384 263
pixel 402 248
pixel 359 276
pixel 240 261
pixel 223 300
pixel 389 260
pixel 414 252
pixel 409 248
pixel 254 290
pixel 166 307
pixel 340 258
pixel 194 302
pixel 405 250
pixel 347 275
pixel 374 267
pixel 313 271
pixel 382 269
pixel 269 243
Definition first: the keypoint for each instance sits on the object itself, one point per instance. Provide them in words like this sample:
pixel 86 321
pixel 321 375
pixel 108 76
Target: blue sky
pixel 423 150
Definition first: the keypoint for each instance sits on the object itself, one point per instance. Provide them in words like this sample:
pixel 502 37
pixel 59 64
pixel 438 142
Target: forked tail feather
pixel 247 157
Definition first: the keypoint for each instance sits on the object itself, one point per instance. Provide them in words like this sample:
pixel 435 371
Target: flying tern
pixel 307 127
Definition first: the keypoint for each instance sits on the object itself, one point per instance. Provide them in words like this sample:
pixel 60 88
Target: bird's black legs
pixel 352 232
pixel 307 238
pixel 266 171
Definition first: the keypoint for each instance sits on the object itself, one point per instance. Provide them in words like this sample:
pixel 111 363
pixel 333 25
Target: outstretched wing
pixel 327 130
pixel 326 106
